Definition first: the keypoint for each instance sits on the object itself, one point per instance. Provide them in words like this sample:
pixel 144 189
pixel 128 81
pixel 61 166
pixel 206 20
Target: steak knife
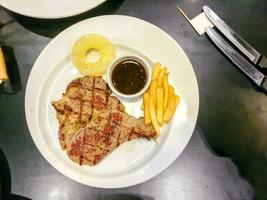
pixel 255 75
pixel 252 54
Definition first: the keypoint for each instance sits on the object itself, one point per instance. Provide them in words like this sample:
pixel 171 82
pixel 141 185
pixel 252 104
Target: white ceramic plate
pixel 135 161
pixel 50 8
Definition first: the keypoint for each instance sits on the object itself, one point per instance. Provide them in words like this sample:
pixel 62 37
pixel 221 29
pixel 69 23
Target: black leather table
pixel 227 155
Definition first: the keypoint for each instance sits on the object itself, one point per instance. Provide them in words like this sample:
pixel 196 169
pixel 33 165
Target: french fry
pixel 156 70
pixel 153 115
pixel 153 90
pixel 166 90
pixel 160 104
pixel 171 105
pixel 161 74
pixel 143 104
pixel 146 108
pixel 177 100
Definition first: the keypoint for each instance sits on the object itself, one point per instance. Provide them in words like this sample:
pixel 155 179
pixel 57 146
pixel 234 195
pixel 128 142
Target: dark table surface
pixel 227 155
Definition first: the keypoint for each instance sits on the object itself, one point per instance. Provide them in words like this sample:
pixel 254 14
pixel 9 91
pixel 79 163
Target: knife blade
pixel 255 75
pixel 251 53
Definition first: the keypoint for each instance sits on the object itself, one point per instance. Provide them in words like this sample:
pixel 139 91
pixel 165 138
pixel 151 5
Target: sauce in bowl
pixel 129 76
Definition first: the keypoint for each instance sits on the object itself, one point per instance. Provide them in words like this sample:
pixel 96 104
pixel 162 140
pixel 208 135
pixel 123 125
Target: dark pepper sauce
pixel 129 77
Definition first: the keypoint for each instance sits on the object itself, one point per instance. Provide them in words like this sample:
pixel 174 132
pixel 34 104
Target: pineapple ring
pixel 93 42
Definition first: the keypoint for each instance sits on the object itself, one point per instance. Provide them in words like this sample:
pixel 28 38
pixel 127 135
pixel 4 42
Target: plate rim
pixel 142 179
pixel 59 16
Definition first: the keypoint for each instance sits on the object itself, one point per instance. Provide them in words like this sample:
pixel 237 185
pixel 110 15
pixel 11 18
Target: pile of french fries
pixel 160 100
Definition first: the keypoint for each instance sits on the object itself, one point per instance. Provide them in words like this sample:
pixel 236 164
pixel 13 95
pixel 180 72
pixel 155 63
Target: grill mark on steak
pixel 92 101
pixel 107 97
pixel 119 134
pixel 99 104
pixel 132 131
pixel 92 123
pixel 81 155
pixel 61 137
pixel 115 121
pixel 81 110
pixel 118 139
pixel 81 160
pixel 67 108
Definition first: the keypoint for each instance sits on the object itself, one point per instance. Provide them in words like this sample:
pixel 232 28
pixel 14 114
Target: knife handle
pixel 3 71
pixel 264 85
pixel 263 62
pixel 251 53
pixel 255 75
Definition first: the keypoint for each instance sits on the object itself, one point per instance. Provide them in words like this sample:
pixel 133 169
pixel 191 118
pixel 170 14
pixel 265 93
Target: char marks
pixel 92 123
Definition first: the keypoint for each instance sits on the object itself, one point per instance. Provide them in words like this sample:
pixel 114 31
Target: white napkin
pixel 199 23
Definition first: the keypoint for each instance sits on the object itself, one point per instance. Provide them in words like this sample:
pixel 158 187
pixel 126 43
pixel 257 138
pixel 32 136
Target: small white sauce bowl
pixel 115 90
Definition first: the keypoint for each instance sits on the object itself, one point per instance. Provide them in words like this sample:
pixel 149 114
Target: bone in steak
pixel 92 123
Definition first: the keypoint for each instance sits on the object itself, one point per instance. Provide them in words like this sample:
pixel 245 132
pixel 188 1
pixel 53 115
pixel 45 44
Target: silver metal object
pixel 255 75
pixel 251 53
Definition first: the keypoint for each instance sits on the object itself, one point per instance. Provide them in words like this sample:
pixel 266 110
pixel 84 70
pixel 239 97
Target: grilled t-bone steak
pixel 92 123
